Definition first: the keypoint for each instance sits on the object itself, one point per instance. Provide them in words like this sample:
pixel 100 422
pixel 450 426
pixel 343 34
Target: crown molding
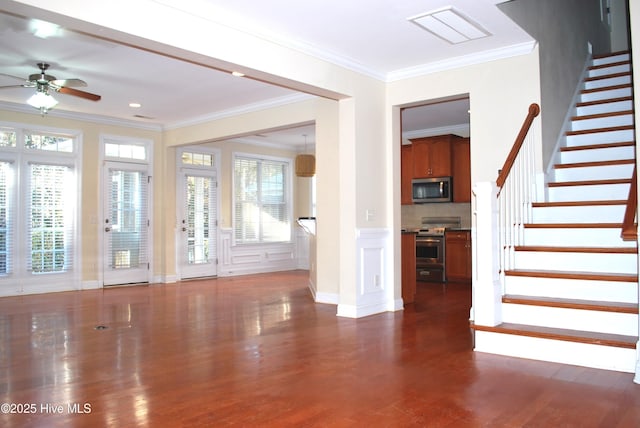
pixel 461 130
pixel 236 111
pixel 84 117
pixel 462 61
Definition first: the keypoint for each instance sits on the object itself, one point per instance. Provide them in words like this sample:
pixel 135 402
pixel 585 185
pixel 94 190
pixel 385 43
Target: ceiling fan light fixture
pixel 42 101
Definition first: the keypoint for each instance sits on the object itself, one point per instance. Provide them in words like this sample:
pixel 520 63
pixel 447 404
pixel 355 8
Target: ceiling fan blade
pixel 13 77
pixel 69 83
pixel 12 86
pixel 78 93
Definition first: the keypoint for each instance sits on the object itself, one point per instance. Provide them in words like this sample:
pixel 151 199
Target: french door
pixel 198 223
pixel 125 223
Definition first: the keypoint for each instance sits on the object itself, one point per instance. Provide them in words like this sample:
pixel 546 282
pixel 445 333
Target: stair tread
pixel 600 130
pixel 605 101
pixel 580 336
pixel 606 88
pixel 593 276
pixel 573 225
pixel 595 163
pixel 610 54
pixel 602 115
pixel 578 203
pixel 568 249
pixel 608 76
pixel 590 182
pixel 611 64
pixel 598 146
pixel 593 305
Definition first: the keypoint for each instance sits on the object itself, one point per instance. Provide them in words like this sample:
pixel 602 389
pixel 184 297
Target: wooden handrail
pixel 629 225
pixel 534 110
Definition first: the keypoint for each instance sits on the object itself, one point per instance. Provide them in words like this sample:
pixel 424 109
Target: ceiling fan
pixel 43 82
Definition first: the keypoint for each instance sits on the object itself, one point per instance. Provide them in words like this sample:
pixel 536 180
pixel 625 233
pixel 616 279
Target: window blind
pixel 128 211
pixel 51 219
pixel 261 200
pixel 200 232
pixel 6 219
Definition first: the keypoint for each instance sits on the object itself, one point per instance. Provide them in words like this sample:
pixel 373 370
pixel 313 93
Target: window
pixel 38 206
pixel 124 150
pixel 262 201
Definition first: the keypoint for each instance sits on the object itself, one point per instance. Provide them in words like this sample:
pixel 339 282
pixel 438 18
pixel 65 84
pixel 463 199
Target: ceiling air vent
pixel 450 25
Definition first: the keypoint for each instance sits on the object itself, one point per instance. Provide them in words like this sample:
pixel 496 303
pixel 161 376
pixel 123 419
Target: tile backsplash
pixel 412 214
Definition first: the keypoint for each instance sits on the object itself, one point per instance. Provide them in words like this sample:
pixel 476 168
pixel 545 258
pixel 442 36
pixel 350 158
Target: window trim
pixel 288 190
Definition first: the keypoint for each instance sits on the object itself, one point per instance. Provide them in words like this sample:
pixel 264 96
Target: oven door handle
pixel 427 240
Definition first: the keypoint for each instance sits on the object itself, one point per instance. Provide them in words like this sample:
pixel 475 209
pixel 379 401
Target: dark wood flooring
pixel 256 351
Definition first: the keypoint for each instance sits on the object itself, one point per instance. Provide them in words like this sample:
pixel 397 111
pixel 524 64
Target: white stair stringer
pixel 571 293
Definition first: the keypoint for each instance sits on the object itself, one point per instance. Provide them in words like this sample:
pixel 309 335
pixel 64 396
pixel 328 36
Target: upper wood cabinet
pixel 439 156
pixel 461 169
pixel 432 156
pixel 406 162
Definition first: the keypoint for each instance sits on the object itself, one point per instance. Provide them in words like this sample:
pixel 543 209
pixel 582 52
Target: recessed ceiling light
pixel 237 74
pixel 44 29
pixel 450 25
pixel 135 105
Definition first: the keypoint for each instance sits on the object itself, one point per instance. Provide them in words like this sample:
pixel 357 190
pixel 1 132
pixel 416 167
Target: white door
pixel 198 224
pixel 125 224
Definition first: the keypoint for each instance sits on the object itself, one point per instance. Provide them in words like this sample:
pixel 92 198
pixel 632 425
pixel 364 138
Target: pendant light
pixel 305 163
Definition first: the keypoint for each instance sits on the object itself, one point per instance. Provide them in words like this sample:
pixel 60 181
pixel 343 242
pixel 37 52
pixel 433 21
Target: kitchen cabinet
pixel 432 156
pixel 408 255
pixel 458 255
pixel 406 162
pixel 461 169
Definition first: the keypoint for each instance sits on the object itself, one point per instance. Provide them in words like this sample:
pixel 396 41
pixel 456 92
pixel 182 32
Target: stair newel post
pixel 487 288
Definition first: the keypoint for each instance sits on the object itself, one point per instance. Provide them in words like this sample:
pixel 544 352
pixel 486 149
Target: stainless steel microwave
pixel 426 190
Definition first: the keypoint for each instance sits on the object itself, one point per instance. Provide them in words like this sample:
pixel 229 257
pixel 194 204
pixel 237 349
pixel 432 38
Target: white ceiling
pixel 373 37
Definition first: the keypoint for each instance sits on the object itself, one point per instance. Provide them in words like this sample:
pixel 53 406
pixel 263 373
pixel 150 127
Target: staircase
pixel 572 295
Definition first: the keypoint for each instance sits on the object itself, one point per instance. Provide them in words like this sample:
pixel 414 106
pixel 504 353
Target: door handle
pixel 184 229
pixel 107 229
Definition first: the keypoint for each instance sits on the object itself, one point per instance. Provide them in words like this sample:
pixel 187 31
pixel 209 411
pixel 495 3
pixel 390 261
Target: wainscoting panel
pixel 374 283
pixel 248 259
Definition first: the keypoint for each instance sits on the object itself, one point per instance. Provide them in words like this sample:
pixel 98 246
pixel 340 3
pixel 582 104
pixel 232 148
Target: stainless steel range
pixel 430 247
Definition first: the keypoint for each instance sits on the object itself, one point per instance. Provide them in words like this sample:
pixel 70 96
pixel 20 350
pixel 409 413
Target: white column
pixel 487 290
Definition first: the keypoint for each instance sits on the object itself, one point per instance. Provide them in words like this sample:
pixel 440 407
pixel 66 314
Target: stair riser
pixel 594 155
pixel 604 108
pixel 605 291
pixel 589 193
pixel 604 71
pixel 576 262
pixel 580 354
pixel 600 137
pixel 594 173
pixel 587 237
pixel 611 81
pixel 578 214
pixel 572 319
pixel 602 122
pixel 611 59
pixel 605 94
